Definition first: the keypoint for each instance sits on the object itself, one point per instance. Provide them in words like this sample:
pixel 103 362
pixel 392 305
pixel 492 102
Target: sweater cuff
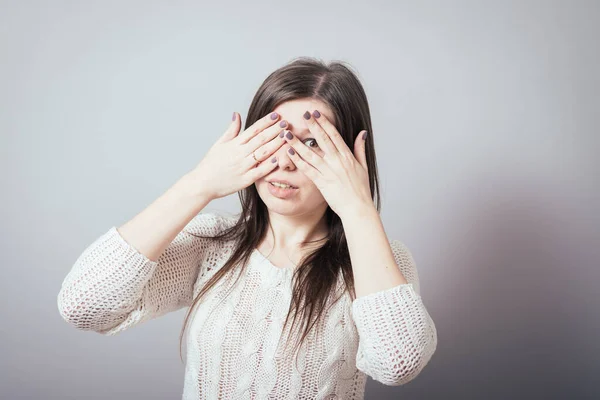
pixel 395 295
pixel 119 249
pixel 391 324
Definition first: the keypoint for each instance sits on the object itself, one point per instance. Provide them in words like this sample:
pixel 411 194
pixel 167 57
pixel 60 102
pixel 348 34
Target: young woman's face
pixel 306 198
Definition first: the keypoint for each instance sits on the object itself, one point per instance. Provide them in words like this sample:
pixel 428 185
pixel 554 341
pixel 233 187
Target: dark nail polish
pixel 289 135
pixel 233 116
pixel 316 114
pixel 291 151
pixel 282 133
pixel 283 124
pixel 273 159
pixel 364 135
pixel 307 115
pixel 274 115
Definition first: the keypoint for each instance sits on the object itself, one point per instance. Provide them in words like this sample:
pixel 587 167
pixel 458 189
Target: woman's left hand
pixel 340 174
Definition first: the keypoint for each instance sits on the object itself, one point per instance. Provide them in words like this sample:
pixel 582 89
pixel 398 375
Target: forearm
pixel 373 264
pixel 151 231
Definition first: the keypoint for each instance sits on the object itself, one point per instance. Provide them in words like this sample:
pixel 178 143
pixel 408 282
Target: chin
pixel 283 209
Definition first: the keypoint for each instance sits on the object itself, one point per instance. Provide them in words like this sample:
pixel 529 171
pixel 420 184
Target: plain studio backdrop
pixel 485 122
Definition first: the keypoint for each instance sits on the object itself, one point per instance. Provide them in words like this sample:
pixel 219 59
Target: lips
pixel 282 193
pixel 283 182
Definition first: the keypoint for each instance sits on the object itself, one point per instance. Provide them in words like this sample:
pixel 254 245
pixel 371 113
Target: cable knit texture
pixel 235 340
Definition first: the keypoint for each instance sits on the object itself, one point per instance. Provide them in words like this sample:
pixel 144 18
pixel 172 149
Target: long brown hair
pixel 336 85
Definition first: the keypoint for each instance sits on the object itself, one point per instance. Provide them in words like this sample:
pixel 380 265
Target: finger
pixel 321 136
pixel 303 166
pixel 263 169
pixel 264 137
pixel 266 150
pixel 331 131
pixel 360 149
pixel 258 127
pixel 308 155
pixel 233 129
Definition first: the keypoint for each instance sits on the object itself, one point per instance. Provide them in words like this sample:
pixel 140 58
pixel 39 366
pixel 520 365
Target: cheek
pixel 313 194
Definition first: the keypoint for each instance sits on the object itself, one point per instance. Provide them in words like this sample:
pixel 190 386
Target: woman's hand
pixel 229 165
pixel 340 175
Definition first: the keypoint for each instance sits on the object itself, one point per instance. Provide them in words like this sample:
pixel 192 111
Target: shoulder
pixel 210 223
pixel 405 261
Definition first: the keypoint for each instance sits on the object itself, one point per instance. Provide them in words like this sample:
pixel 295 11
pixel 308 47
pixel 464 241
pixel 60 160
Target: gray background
pixel 485 124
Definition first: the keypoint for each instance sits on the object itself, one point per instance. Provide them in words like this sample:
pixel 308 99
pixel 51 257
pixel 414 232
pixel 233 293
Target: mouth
pixel 281 192
pixel 282 185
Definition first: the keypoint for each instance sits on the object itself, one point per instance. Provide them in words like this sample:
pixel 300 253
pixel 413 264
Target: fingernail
pixel 289 135
pixel 283 123
pixel 364 135
pixel 282 133
pixel 307 115
pixel 273 159
pixel 274 115
pixel 233 116
pixel 291 151
pixel 316 114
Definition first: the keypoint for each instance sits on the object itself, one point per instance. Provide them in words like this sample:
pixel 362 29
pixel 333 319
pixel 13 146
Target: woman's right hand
pixel 229 166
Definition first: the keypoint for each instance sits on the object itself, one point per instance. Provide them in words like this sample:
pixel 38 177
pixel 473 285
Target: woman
pixel 306 262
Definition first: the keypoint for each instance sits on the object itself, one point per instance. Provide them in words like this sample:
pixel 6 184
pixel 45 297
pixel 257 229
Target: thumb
pixel 233 129
pixel 360 149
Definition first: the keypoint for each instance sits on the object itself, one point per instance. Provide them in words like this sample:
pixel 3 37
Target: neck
pixel 287 233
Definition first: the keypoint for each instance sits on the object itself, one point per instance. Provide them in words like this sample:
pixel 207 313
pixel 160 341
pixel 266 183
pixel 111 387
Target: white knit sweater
pixel 233 349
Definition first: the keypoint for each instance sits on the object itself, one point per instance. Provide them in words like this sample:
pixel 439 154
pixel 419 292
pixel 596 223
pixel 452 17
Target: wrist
pixel 359 212
pixel 190 188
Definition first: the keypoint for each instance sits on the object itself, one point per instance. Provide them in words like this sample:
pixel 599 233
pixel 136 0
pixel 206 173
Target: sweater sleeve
pixel 397 337
pixel 112 286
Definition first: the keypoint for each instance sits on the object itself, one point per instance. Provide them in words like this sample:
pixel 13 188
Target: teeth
pixel 281 185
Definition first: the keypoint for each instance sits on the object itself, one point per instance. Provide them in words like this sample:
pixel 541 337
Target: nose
pixel 283 158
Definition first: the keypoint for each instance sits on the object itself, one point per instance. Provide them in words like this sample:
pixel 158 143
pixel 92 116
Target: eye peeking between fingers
pixel 315 146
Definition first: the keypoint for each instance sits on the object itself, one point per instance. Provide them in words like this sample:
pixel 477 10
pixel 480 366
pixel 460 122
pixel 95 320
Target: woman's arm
pixel 143 269
pixel 151 231
pixel 397 336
